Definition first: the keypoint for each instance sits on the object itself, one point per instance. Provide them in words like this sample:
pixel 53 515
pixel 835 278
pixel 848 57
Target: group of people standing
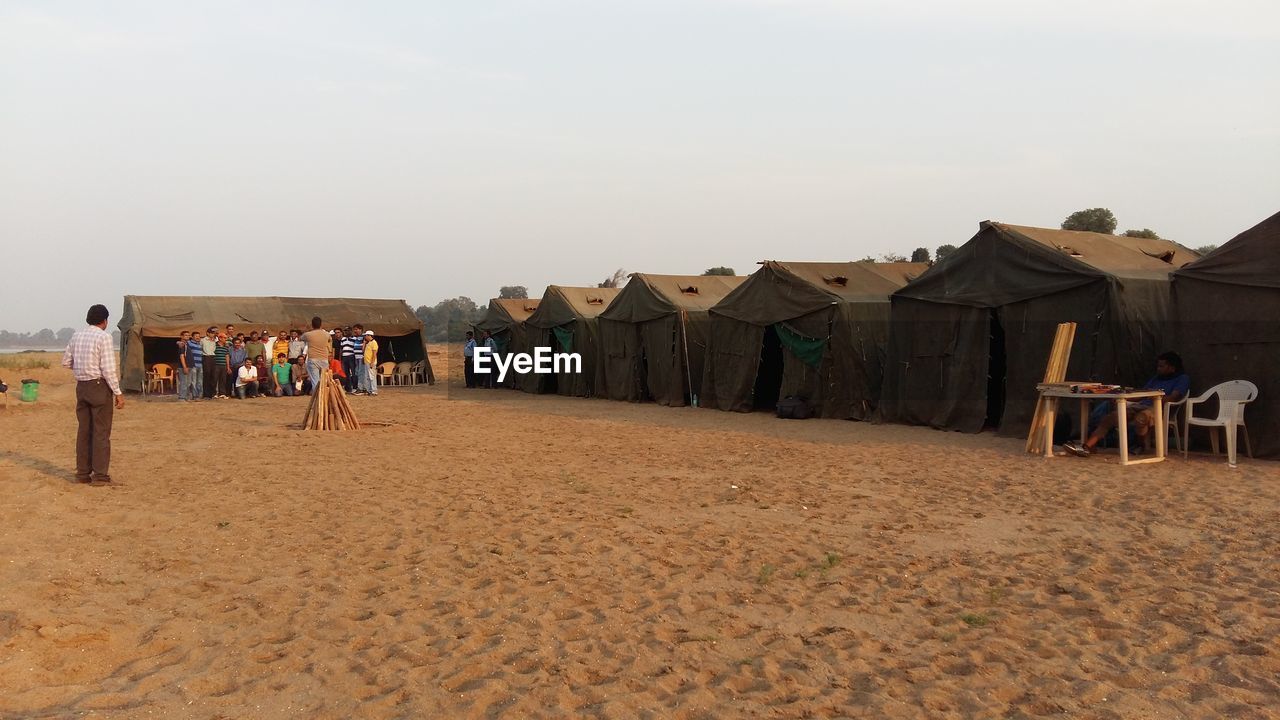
pixel 480 380
pixel 221 364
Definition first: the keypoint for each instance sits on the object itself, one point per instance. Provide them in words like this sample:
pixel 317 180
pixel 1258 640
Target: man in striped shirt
pixel 353 358
pixel 91 355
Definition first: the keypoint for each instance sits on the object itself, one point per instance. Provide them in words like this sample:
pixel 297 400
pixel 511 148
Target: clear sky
pixel 423 150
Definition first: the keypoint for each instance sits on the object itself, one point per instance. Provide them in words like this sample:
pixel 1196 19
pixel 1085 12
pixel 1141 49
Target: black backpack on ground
pixel 794 408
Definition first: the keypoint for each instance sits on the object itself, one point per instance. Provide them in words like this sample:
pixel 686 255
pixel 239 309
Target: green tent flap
pixel 808 350
pixel 564 336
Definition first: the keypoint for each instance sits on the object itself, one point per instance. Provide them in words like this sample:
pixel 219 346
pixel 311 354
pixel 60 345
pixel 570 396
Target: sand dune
pixel 488 553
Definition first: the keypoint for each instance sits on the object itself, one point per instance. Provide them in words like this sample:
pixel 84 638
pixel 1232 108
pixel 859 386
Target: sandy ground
pixel 490 553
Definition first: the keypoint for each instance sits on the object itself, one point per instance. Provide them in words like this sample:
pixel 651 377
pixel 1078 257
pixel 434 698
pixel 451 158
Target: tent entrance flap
pixel 997 372
pixel 808 350
pixel 769 374
pixel 564 338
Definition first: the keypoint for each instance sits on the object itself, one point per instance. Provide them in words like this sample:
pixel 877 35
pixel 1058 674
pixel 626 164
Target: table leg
pixel 1161 428
pixel 1051 407
pixel 1084 420
pixel 1122 427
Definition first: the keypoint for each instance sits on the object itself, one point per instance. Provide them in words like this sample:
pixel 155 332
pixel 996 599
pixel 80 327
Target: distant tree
pixel 1206 249
pixel 720 271
pixel 943 251
pixel 1147 233
pixel 616 280
pixel 1099 220
pixel 45 338
pixel 513 292
pixel 64 335
pixel 920 255
pixel 868 259
pixel 448 320
pixel 892 258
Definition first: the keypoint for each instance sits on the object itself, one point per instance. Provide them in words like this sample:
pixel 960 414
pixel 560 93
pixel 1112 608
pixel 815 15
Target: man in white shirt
pixel 247 380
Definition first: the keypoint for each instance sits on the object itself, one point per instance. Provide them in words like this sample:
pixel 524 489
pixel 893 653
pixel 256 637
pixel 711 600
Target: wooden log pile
pixel 1055 372
pixel 328 409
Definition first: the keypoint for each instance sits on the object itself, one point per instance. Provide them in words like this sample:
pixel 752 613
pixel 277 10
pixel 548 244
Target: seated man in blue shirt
pixel 1169 377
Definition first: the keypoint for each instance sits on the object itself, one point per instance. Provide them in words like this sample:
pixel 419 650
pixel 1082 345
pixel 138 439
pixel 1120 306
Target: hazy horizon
pixel 429 150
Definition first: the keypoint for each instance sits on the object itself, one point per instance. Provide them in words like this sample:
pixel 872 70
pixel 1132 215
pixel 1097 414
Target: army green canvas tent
pixel 150 325
pixel 505 322
pixel 806 329
pixel 1227 306
pixel 567 321
pixel 653 336
pixel 971 337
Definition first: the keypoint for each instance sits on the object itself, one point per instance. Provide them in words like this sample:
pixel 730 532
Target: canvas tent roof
pixel 505 312
pixel 562 304
pixel 1045 262
pixel 169 315
pixel 1250 258
pixel 812 286
pixel 649 296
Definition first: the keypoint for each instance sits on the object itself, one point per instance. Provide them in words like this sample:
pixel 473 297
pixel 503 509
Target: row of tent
pixel 957 345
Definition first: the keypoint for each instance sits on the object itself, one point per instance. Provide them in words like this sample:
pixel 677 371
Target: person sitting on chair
pixel 1169 377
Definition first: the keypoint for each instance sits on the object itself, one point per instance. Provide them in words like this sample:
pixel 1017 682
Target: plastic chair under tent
pixel 1174 413
pixel 418 372
pixel 387 374
pixel 1232 396
pixel 160 374
pixel 404 374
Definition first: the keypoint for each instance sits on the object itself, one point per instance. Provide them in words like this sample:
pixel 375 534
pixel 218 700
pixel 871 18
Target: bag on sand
pixel 794 408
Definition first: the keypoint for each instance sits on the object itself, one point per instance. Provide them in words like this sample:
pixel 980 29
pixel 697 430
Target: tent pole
pixel 684 341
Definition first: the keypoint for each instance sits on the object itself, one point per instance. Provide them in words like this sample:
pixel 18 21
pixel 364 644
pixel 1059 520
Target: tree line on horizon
pixel 43 338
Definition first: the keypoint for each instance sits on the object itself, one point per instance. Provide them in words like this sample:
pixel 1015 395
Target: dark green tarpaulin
pixel 654 334
pixel 564 336
pixel 1228 325
pixel 573 311
pixel 846 304
pixel 981 321
pixel 808 350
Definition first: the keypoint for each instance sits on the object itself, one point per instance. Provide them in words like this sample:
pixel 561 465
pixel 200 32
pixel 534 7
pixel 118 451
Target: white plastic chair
pixel 1232 395
pixel 1173 411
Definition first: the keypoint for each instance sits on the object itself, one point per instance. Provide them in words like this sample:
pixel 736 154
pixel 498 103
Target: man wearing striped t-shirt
pixel 353 357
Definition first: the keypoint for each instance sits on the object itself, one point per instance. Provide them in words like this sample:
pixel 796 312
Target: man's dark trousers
pixel 210 376
pixel 349 367
pixel 94 407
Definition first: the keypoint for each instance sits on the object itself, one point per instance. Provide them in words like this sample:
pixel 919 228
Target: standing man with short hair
pixel 370 352
pixel 184 370
pixel 208 360
pixel 195 360
pixel 318 351
pixel 91 355
pixel 353 361
pixel 468 352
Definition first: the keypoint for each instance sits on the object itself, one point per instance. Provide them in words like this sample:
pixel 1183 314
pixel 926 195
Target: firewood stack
pixel 329 409
pixel 1054 374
